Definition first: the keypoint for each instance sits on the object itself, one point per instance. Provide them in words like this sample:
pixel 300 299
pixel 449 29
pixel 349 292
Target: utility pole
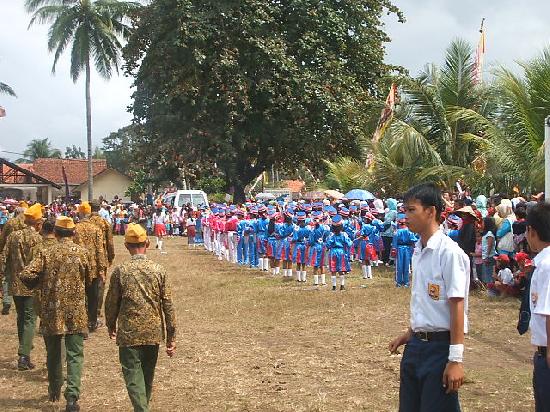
pixel 547 159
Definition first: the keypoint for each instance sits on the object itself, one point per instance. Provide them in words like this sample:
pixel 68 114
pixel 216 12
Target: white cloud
pixel 49 105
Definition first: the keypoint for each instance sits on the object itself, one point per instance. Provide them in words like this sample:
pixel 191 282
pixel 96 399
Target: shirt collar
pixel 542 255
pixel 433 242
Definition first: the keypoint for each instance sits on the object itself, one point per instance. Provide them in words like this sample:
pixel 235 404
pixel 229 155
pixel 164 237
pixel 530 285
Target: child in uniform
pixel 338 245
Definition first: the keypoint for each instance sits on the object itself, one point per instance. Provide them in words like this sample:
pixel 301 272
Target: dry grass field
pixel 249 342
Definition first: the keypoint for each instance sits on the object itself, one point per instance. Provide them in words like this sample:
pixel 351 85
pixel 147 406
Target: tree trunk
pixel 238 194
pixel 89 133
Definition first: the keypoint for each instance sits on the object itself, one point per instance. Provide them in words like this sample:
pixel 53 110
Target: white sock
pixel 304 273
pixel 315 280
pixel 323 282
pixel 343 280
pixel 266 263
pixel 333 278
pixel 289 273
pixel 376 263
pixel 369 272
pixel 274 271
pixel 285 273
pixel 160 244
pixel 261 262
pixel 364 271
pixel 157 239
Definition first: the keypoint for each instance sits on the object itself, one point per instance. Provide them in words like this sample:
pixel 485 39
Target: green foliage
pixel 74 152
pixel 211 184
pixel 345 174
pixel 6 89
pixel 250 84
pixel 38 149
pixel 425 140
pixel 138 185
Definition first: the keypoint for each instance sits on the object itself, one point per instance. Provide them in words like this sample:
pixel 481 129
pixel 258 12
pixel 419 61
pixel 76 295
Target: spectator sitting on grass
pixel 503 284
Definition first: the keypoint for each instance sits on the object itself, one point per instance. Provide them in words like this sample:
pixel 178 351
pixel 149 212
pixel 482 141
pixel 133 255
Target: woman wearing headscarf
pixel 389 229
pixel 505 235
pixel 481 205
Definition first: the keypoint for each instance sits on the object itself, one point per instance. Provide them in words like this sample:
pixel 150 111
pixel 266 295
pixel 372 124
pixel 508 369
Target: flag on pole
pixel 387 114
pixel 480 56
pixel 2 112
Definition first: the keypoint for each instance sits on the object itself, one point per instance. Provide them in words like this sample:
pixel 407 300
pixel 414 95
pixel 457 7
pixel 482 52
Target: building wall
pixel 107 184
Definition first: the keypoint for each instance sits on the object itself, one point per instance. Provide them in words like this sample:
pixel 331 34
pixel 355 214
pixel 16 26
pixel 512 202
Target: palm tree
pixel 38 149
pixel 346 174
pixel 95 29
pixel 425 142
pixel 5 89
pixel 513 135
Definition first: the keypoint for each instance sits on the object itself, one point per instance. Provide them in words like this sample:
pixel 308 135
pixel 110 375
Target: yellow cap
pixel 135 234
pixel 64 222
pixel 34 212
pixel 85 208
pixel 23 204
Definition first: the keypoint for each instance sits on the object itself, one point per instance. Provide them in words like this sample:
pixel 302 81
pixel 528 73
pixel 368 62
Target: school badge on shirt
pixel 433 291
pixel 534 298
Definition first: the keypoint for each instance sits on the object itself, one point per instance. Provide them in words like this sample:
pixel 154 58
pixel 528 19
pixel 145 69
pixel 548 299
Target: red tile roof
pixel 295 186
pixel 76 169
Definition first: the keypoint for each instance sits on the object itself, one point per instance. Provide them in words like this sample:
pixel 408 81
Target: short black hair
pixel 521 211
pixel 428 194
pixel 48 227
pixel 61 232
pixel 489 225
pixel 136 245
pixel 538 219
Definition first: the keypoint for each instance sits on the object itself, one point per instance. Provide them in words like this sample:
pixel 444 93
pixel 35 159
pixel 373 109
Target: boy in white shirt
pixel 538 237
pixel 431 367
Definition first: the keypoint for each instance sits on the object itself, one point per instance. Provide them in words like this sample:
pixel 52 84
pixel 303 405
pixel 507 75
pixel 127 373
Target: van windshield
pixel 183 199
pixel 198 199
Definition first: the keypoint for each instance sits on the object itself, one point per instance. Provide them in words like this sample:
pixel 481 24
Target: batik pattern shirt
pixel 90 237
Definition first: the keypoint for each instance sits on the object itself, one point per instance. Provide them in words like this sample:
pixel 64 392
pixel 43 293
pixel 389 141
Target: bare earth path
pixel 250 342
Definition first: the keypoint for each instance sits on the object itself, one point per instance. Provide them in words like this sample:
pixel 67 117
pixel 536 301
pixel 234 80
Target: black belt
pixel 541 351
pixel 443 336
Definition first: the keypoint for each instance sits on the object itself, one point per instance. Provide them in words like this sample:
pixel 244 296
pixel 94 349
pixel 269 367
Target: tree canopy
pixel 244 85
pixel 37 149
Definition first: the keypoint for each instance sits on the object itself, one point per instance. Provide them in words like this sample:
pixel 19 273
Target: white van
pixel 181 198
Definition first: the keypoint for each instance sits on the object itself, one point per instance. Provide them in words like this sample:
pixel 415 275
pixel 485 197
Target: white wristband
pixel 456 353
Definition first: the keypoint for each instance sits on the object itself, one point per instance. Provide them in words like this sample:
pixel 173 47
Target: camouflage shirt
pixel 62 271
pixel 140 298
pixel 107 236
pixel 40 247
pixel 12 225
pixel 17 254
pixel 90 237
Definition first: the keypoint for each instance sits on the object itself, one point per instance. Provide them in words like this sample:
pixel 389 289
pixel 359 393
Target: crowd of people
pixel 55 260
pixel 55 269
pixel 292 237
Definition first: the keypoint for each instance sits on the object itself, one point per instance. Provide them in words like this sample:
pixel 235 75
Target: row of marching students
pixel 311 235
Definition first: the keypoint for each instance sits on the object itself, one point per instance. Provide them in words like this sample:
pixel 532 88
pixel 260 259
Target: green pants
pixel 26 320
pixel 74 348
pixel 138 367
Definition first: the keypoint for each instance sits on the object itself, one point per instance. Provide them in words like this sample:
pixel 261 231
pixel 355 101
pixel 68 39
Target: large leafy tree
pixel 245 85
pixel 74 152
pixel 37 149
pixel 93 30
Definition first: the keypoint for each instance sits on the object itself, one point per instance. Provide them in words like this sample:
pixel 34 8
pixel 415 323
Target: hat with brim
pixel 135 234
pixel 34 212
pixel 467 210
pixel 64 222
pixel 337 220
pixel 503 258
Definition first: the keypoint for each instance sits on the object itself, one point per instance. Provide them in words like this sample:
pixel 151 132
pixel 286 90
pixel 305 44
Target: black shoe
pixel 24 363
pixel 342 287
pixel 72 405
pixel 54 396
pixel 334 288
pixel 6 309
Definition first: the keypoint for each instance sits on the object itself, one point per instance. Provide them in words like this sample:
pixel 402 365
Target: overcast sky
pixel 53 106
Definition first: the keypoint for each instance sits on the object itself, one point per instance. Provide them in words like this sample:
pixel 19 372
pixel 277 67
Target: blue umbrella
pixel 359 194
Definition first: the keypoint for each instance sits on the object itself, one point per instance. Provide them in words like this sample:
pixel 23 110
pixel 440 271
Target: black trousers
pixel 387 248
pixel 541 383
pixel 92 294
pixel 421 388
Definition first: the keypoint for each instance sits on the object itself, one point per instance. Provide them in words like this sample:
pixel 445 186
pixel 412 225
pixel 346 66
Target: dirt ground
pixel 247 341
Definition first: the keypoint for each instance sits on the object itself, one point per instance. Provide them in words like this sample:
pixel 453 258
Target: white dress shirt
pixel 540 297
pixel 441 270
